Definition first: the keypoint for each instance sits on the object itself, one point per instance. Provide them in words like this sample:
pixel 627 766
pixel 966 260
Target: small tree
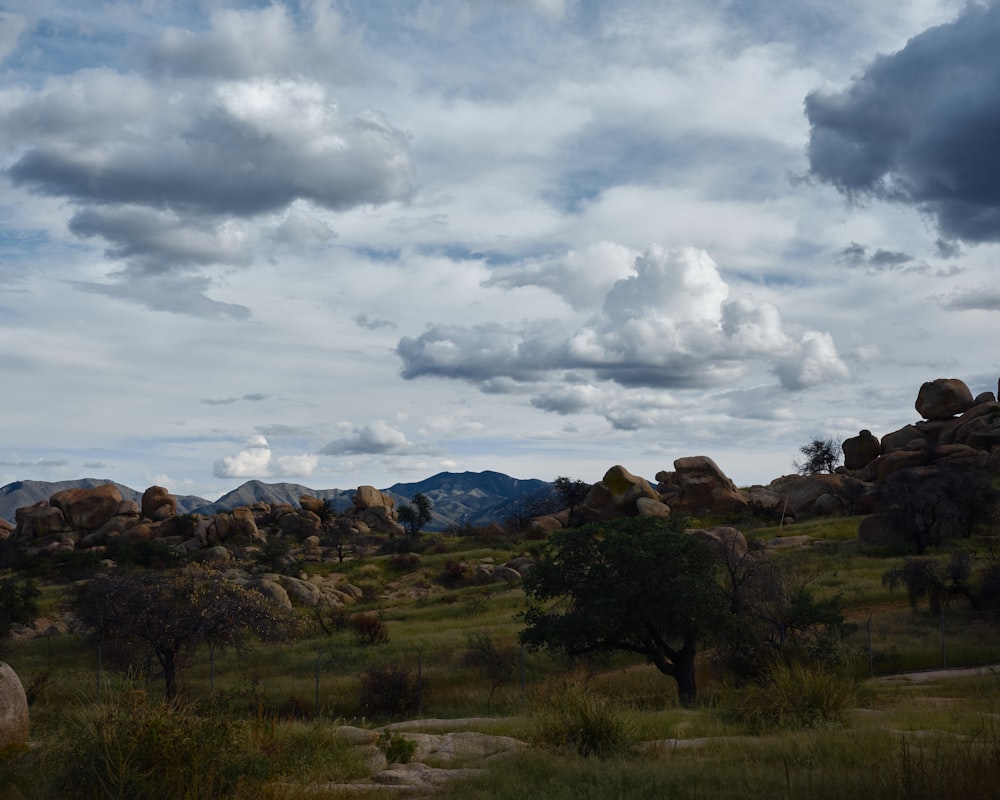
pixel 415 516
pixel 572 492
pixel 634 584
pixel 495 661
pixel 820 455
pixel 167 616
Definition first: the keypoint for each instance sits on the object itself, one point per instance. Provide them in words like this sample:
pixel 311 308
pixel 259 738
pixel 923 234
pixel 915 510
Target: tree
pixel 167 616
pixel 415 516
pixel 572 492
pixel 821 455
pixel 634 584
pixel 776 615
pixel 946 502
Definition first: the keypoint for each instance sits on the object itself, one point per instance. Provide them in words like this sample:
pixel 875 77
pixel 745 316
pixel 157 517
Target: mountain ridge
pixel 457 498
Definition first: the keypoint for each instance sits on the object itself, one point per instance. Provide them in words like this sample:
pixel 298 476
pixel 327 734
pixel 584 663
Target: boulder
pixel 978 427
pixel 648 507
pixel 370 497
pixel 243 529
pixel 543 526
pixel 303 592
pixel 38 521
pixel 6 530
pixel 158 504
pixel 310 503
pixel 13 709
pixel 943 398
pixel 817 495
pixel 88 509
pixel 909 437
pixel 272 590
pixel 615 495
pixel 699 486
pixel 861 450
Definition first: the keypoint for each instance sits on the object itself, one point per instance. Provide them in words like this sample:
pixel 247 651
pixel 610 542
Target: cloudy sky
pixel 343 242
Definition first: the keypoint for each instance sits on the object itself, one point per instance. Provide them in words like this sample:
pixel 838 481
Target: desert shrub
pixel 390 690
pixel 18 603
pixel 404 562
pixel 576 719
pixel 369 629
pixel 147 553
pixel 396 747
pixel 791 696
pixel 455 573
pixel 132 747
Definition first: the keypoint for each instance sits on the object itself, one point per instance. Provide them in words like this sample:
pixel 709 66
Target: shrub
pixel 396 747
pixel 369 629
pixel 793 696
pixel 391 691
pixel 573 718
pixel 455 573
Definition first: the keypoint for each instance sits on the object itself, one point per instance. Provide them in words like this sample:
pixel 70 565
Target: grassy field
pixel 274 712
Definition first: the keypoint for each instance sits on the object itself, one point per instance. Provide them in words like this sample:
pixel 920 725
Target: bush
pixel 792 697
pixel 456 573
pixel 390 691
pixel 369 630
pixel 573 718
pixel 396 747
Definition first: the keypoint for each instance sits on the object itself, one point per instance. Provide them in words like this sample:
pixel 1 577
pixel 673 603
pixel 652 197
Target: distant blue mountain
pixel 473 498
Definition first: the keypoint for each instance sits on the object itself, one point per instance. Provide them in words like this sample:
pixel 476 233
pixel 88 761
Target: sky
pixel 360 242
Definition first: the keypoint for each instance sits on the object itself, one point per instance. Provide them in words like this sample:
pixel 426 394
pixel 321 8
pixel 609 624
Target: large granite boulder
pixel 820 495
pixel 158 504
pixel 88 509
pixel 978 427
pixel 728 543
pixel 861 450
pixel 944 398
pixel 698 486
pixel 615 495
pixel 13 708
pixel 38 521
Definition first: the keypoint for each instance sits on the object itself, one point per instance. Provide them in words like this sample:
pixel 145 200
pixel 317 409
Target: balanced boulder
pixel 943 398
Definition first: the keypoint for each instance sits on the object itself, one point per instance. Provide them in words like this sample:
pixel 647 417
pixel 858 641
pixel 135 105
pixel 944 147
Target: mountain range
pixel 473 498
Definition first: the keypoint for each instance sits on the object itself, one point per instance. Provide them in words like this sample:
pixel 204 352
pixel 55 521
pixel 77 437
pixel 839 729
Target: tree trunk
pixel 169 674
pixel 687 690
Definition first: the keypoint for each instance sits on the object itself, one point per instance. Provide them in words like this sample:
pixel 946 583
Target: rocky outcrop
pixel 13 709
pixel 728 543
pixel 698 486
pixel 376 510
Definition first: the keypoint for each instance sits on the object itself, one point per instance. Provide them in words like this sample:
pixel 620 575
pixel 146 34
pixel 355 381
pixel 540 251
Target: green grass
pixel 881 748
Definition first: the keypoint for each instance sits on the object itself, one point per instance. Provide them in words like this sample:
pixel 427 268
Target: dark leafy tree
pixel 938 581
pixel 935 505
pixel 415 516
pixel 634 584
pixel 775 614
pixel 167 616
pixel 18 605
pixel 518 512
pixel 571 492
pixel 820 455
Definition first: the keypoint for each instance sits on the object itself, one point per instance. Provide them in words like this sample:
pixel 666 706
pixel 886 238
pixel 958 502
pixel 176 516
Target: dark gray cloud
pixel 921 127
pixel 253 397
pixel 985 299
pixel 857 255
pixel 227 162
